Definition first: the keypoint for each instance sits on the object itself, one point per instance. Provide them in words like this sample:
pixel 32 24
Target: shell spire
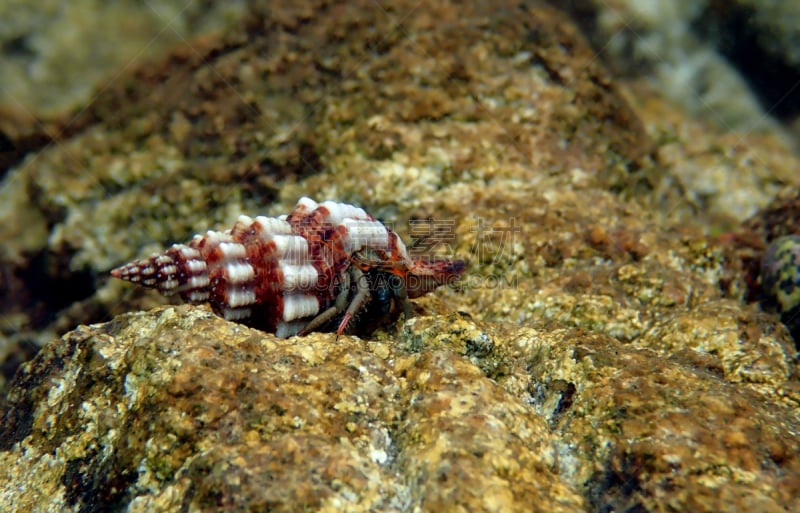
pixel 178 270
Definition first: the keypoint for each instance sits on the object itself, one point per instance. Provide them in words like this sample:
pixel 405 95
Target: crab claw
pixel 428 274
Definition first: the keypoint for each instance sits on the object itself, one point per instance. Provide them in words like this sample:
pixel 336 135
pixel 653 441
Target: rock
pixel 760 37
pixel 734 63
pixel 332 102
pixel 177 409
pixel 53 55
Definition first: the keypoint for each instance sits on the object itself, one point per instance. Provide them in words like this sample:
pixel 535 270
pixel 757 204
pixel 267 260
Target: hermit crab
pixel 323 266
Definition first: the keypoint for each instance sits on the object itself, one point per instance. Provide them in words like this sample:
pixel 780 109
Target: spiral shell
pixel 297 272
pixel 780 281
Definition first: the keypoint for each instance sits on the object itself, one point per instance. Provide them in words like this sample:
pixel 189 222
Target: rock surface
pixel 176 409
pixel 600 355
pixel 734 63
pixel 53 55
pixel 399 113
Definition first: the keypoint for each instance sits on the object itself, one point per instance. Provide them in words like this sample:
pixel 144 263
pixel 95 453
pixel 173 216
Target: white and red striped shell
pixel 294 273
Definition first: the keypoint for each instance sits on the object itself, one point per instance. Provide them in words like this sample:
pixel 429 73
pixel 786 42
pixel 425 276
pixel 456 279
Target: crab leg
pixel 359 300
pixel 331 312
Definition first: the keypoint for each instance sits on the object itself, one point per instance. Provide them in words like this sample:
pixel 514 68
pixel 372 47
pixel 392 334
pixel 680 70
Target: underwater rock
pixel 176 409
